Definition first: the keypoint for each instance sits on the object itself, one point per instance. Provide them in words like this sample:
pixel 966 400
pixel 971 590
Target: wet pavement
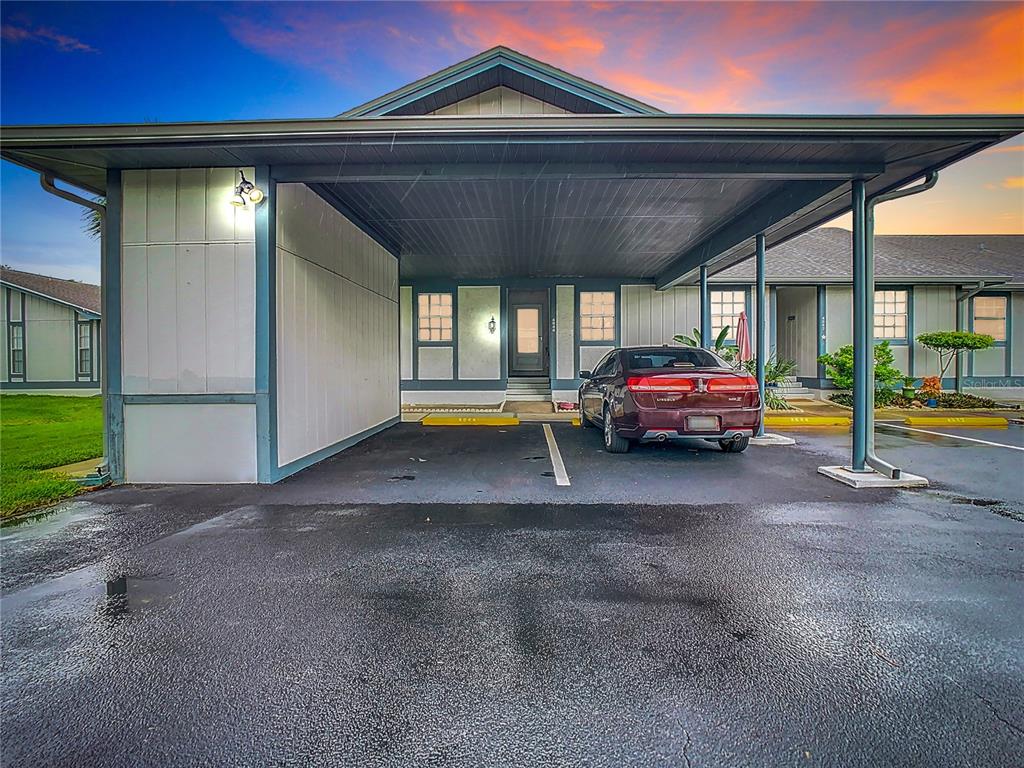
pixel 748 612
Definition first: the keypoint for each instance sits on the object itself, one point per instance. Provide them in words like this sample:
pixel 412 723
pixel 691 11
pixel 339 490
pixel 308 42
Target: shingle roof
pixel 826 255
pixel 81 295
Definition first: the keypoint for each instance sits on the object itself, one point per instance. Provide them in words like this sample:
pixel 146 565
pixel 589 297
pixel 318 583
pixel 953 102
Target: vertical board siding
pixel 565 331
pixel 50 340
pixel 500 100
pixel 799 343
pixel 479 349
pixel 655 317
pixel 1016 318
pixel 188 277
pixel 337 327
pixel 934 310
pixel 405 343
pixel 838 317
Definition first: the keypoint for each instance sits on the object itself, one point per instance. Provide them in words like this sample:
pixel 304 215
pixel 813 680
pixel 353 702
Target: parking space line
pixel 561 477
pixel 952 437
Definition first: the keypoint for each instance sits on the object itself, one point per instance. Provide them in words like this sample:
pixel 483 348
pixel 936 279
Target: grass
pixel 37 433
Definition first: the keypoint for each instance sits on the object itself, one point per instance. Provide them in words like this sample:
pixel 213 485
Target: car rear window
pixel 685 357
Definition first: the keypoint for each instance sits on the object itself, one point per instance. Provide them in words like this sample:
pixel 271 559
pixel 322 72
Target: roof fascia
pixel 499 57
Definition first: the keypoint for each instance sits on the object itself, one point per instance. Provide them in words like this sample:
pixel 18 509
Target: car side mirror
pixel 586 375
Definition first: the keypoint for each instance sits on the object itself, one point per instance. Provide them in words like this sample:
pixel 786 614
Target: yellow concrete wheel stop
pixel 956 421
pixel 452 420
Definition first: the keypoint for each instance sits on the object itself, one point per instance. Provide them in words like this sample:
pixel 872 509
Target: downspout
pixel 46 182
pixel 869 248
pixel 960 299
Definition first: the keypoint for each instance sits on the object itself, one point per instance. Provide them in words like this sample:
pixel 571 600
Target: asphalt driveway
pixel 710 612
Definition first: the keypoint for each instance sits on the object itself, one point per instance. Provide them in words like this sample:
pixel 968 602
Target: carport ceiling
pixel 649 196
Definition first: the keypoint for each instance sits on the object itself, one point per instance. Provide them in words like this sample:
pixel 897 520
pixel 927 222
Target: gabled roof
pixel 84 297
pixel 501 66
pixel 825 255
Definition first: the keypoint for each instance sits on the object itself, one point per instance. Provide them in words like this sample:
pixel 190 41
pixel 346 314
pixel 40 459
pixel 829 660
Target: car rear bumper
pixel 672 424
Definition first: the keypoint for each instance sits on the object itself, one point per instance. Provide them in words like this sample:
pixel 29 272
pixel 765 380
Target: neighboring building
pixel 51 334
pixel 488 230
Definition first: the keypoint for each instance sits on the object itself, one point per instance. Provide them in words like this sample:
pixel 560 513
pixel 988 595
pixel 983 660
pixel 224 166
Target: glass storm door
pixel 527 339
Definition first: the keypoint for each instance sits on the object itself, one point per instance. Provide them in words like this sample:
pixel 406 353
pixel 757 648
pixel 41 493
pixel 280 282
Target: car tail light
pixel 659 384
pixel 733 384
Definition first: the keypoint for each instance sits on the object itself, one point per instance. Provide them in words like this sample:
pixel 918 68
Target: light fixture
pixel 492 326
pixel 246 191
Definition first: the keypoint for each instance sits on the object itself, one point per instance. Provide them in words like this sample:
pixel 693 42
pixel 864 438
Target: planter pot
pixel 909 392
pixel 932 402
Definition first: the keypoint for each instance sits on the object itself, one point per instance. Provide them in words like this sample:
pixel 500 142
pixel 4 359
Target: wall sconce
pixel 492 326
pixel 246 191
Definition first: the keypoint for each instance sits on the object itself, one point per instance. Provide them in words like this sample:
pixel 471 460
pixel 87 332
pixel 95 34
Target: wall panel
pixel 479 349
pixel 338 327
pixel 565 331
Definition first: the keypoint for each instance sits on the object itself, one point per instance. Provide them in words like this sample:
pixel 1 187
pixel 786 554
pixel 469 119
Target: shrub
pixel 960 400
pixel 931 386
pixel 949 344
pixel 839 365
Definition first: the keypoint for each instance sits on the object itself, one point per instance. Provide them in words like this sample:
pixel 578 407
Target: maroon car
pixel 669 393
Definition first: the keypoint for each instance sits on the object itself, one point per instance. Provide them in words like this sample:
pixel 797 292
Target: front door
pixel 528 349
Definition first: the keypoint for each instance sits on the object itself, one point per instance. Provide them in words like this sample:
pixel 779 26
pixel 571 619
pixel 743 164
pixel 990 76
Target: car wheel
pixel 612 442
pixel 735 446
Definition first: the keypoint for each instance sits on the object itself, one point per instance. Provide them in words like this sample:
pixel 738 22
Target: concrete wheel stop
pixel 873 479
pixel 769 438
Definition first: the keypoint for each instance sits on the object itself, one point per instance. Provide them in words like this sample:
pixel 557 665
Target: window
pixel 17 340
pixel 725 311
pixel 435 317
pixel 891 315
pixel 607 366
pixel 84 349
pixel 990 316
pixel 686 357
pixel 597 316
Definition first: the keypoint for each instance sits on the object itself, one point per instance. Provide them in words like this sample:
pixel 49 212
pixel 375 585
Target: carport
pixel 667 198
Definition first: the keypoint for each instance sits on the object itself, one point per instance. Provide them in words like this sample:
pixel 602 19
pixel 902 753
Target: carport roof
pixel 641 196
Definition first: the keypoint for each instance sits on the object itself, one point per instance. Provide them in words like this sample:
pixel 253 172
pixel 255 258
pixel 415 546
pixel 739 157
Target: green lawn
pixel 38 432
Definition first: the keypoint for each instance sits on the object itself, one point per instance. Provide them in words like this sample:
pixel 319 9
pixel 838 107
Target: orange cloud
pixel 563 35
pixel 1013 182
pixel 965 65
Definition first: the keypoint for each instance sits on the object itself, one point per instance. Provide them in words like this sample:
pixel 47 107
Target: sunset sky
pixel 94 63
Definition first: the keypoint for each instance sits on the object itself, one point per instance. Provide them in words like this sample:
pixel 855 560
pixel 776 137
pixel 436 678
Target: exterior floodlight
pixel 246 190
pixel 492 326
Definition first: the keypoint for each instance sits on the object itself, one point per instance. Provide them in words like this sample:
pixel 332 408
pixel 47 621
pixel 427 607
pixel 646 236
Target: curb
pixel 955 421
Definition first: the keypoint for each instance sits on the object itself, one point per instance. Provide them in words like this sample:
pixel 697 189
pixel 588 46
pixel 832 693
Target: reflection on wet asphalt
pixel 860 633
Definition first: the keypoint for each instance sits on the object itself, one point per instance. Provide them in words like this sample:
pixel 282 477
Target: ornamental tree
pixel 839 365
pixel 949 344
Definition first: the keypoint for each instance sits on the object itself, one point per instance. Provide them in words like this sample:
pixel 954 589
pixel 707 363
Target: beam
pixel 362 173
pixel 759 217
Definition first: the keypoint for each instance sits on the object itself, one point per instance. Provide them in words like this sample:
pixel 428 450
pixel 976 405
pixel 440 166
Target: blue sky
pixel 134 62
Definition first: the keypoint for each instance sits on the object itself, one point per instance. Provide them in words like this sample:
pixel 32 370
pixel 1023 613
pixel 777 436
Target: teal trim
pixel 298 465
pixel 589 286
pixel 759 350
pixel 266 328
pixel 197 398
pixel 20 386
pixel 110 351
pixel 435 287
pixel 908 339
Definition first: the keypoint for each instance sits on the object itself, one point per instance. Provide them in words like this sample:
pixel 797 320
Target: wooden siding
pixel 479 349
pixel 188 284
pixel 934 310
pixel 337 327
pixel 501 100
pixel 565 332
pixel 406 328
pixel 797 339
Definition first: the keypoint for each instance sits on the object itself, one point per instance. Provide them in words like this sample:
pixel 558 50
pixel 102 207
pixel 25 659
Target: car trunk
pixel 691 388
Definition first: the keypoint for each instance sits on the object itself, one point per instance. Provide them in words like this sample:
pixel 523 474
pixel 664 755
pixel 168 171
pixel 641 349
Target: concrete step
pixel 528 397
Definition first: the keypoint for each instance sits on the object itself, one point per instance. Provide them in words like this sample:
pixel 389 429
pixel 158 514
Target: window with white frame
pixel 84 349
pixel 597 316
pixel 990 316
pixel 725 311
pixel 891 315
pixel 16 339
pixel 435 317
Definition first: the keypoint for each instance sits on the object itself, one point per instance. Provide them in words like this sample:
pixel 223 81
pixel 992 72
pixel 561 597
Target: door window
pixel 527 330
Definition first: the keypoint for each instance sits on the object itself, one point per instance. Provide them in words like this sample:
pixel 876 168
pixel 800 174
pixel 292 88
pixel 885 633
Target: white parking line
pixel 561 477
pixel 953 437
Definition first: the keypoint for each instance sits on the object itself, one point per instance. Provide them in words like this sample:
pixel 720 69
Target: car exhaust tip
pixel 662 437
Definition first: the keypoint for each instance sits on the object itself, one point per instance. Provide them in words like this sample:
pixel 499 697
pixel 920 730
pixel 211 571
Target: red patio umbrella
pixel 743 339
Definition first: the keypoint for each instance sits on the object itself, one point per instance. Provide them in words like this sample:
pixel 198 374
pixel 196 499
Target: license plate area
pixel 702 423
